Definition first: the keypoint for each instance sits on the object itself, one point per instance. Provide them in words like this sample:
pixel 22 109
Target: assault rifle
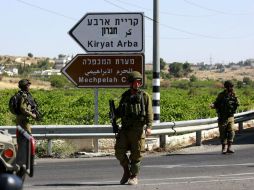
pixel 35 109
pixel 113 117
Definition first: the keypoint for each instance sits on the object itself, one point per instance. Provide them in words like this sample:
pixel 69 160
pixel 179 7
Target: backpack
pixel 14 103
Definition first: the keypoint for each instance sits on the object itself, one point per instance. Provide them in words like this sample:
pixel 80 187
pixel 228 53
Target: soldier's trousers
pixel 133 141
pixel 22 141
pixel 226 128
pixel 22 150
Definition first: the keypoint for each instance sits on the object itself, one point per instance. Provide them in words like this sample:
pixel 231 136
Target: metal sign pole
pixel 115 32
pixel 96 117
pixel 156 69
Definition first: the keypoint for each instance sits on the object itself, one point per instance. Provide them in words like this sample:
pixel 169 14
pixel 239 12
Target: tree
pixel 45 64
pixel 247 80
pixel 186 68
pixel 193 78
pixel 248 62
pixel 176 69
pixel 162 64
pixel 30 55
pixel 61 56
pixel 239 84
pixel 179 69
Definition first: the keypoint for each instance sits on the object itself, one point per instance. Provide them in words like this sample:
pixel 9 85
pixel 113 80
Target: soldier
pixel 135 111
pixel 26 106
pixel 226 104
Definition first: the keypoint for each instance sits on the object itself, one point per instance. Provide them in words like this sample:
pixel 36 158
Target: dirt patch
pixel 228 74
pixel 12 83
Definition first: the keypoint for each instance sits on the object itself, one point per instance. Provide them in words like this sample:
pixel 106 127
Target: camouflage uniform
pixel 135 111
pixel 25 108
pixel 22 119
pixel 226 104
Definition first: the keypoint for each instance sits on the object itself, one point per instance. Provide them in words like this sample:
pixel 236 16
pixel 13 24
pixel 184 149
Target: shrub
pixel 60 149
pixel 193 78
pixel 59 81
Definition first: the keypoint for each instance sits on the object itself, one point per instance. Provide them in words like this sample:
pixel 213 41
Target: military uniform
pixel 135 111
pixel 25 109
pixel 22 119
pixel 226 104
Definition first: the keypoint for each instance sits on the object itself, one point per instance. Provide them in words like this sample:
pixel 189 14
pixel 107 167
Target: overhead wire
pixel 114 4
pixel 46 10
pixel 213 10
pixel 164 12
pixel 181 30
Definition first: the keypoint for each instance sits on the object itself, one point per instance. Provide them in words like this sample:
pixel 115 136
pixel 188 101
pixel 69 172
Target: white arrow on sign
pixel 110 32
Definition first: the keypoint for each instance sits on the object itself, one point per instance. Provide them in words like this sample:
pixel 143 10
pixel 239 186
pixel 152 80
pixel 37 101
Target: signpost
pixel 91 70
pixel 107 33
pixel 110 32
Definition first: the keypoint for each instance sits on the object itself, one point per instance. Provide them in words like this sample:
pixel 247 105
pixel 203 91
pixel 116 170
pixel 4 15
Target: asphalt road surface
pixel 193 168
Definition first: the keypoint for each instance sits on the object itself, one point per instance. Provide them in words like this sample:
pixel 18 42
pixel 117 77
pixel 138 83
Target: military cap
pixel 134 76
pixel 23 83
pixel 228 84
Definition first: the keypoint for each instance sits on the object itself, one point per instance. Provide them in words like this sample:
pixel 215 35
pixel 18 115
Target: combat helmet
pixel 23 83
pixel 228 84
pixel 134 75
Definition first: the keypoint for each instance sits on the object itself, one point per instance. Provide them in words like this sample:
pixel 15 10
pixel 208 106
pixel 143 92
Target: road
pixel 193 168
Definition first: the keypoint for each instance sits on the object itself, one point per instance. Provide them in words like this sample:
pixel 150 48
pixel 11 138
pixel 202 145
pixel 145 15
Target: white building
pixel 61 61
pixel 51 72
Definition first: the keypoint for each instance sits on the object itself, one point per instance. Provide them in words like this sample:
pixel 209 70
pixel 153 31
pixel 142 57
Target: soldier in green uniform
pixel 135 111
pixel 22 119
pixel 226 104
pixel 25 109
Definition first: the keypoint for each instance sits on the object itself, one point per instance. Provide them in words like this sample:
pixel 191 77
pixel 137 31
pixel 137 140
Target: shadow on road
pixel 245 137
pixel 75 185
pixel 212 147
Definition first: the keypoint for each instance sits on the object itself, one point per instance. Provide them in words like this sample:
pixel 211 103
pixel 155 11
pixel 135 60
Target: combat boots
pixel 126 175
pixel 133 180
pixel 224 150
pixel 229 150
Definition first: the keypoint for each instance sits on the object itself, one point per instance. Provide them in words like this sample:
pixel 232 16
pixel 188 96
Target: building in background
pixel 61 61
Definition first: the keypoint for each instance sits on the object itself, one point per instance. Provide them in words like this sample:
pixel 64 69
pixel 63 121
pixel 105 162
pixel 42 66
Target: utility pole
pixel 156 69
pixel 211 60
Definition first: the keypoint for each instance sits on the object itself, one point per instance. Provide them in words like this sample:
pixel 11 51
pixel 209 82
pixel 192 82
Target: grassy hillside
pixel 181 101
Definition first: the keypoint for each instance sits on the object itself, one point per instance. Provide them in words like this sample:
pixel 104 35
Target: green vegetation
pixel 180 100
pixel 59 81
pixel 60 149
pixel 177 69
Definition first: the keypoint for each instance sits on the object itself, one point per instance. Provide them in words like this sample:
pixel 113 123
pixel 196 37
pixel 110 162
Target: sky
pixel 209 31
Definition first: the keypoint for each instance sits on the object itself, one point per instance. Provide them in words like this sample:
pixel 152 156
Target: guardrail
pixel 50 132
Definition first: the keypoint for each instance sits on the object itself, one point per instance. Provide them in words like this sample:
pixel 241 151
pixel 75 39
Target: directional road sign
pixel 110 32
pixel 97 71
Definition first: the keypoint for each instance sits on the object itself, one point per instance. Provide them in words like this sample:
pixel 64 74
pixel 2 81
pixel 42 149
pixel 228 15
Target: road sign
pixel 92 70
pixel 110 32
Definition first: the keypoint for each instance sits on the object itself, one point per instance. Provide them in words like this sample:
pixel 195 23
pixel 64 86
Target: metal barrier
pixel 50 132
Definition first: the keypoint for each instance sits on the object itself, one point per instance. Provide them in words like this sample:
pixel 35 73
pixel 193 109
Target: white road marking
pixel 146 182
pixel 204 181
pixel 198 166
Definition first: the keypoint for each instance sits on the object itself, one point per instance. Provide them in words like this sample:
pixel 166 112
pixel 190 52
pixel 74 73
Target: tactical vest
pixel 228 106
pixel 133 106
